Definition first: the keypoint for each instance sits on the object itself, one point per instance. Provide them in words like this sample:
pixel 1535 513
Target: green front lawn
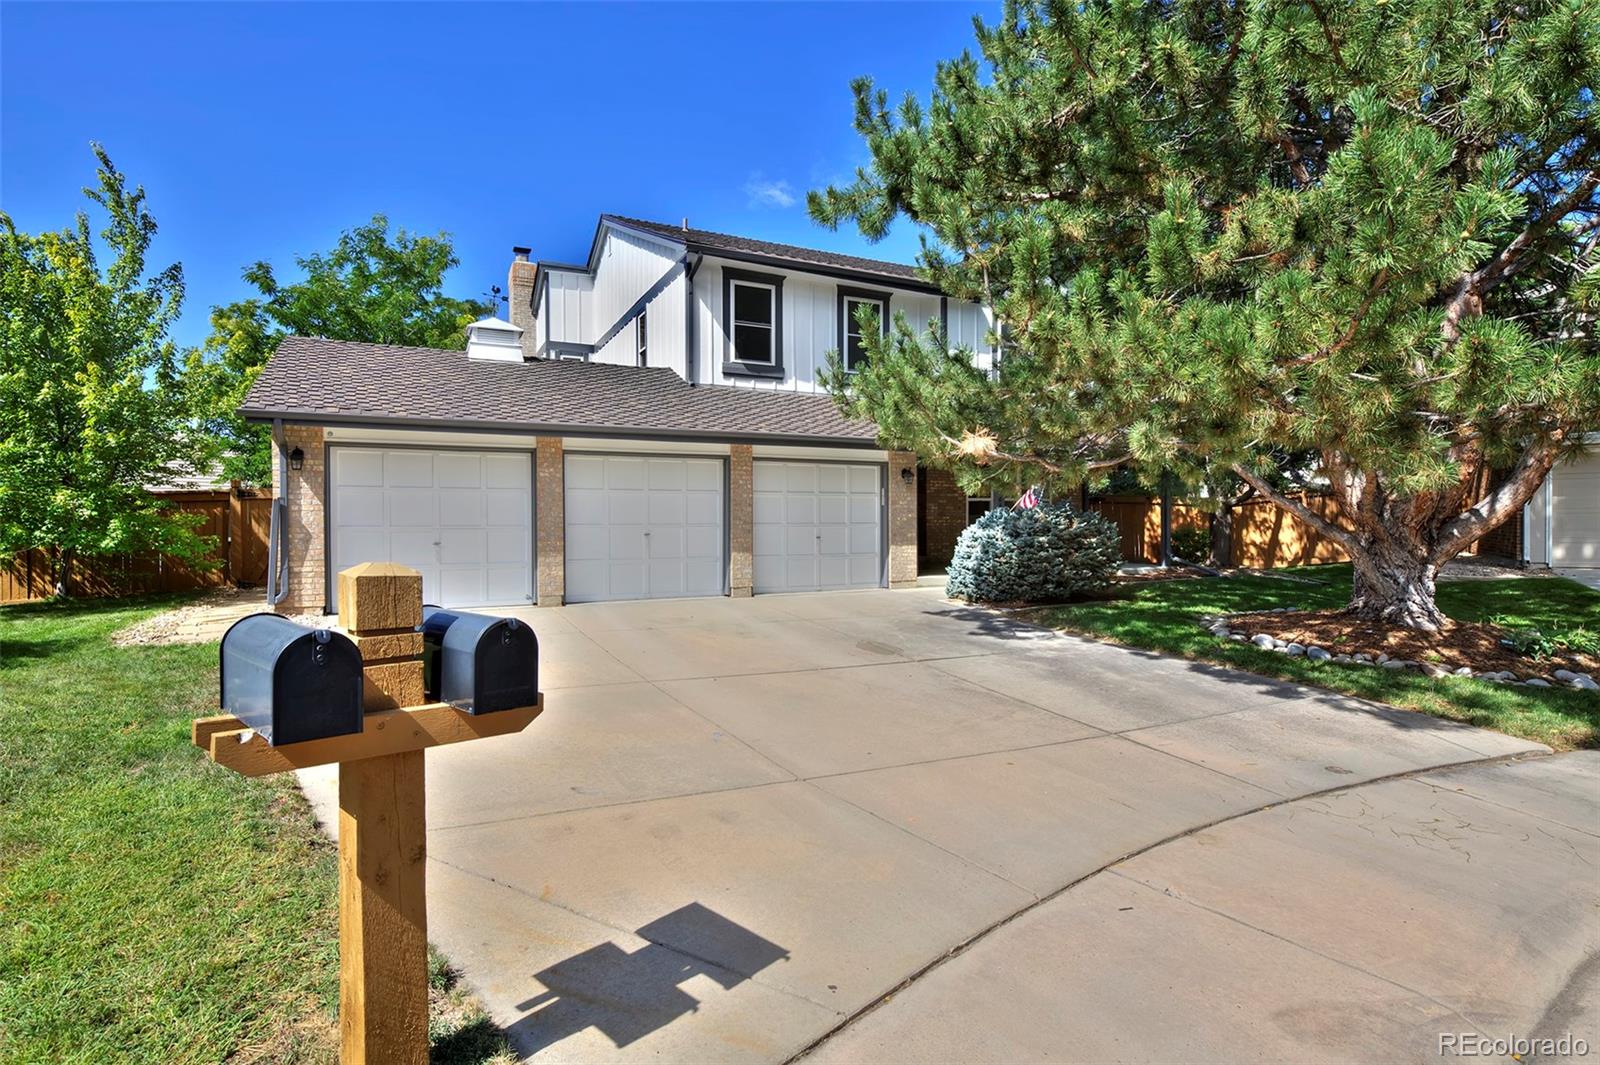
pixel 153 906
pixel 1165 616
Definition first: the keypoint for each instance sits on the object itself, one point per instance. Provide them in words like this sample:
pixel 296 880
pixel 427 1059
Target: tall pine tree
pixel 1209 230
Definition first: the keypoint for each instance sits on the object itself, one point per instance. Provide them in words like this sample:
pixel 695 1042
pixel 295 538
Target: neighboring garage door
pixel 643 528
pixel 464 519
pixel 818 525
pixel 1575 533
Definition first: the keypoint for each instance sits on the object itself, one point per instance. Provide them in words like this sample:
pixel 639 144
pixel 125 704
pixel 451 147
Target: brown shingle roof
pixel 311 379
pixel 706 240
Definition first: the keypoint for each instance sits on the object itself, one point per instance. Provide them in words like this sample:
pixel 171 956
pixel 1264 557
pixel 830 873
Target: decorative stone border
pixel 1558 678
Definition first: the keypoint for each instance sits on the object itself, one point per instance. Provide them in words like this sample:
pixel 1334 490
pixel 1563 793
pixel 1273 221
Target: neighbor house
pixel 649 423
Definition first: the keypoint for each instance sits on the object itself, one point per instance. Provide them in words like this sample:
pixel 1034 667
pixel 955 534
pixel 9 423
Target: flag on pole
pixel 1029 500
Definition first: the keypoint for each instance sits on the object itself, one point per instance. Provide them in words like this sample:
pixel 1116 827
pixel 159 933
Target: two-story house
pixel 648 424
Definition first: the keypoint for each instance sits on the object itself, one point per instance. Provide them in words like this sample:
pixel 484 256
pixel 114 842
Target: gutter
pixel 604 432
pixel 277 529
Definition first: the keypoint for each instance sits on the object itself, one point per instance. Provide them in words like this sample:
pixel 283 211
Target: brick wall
pixel 550 517
pixel 902 521
pixel 741 520
pixel 944 514
pixel 307 511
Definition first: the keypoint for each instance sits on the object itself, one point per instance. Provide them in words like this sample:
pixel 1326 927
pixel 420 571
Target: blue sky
pixel 262 130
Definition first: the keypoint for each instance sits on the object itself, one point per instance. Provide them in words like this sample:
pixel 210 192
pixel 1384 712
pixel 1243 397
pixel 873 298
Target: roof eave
pixel 341 419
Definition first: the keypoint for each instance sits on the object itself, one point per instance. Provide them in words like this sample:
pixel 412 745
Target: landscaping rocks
pixel 1234 629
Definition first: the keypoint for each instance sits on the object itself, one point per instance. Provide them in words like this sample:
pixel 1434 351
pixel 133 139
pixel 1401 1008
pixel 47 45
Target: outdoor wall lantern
pixel 297 459
pixel 907 474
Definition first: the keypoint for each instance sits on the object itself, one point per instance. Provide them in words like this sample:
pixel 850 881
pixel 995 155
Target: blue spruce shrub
pixel 1044 554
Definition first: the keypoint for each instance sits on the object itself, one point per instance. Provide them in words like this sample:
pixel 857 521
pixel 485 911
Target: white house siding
pixel 567 307
pixel 969 327
pixel 810 323
pixel 629 265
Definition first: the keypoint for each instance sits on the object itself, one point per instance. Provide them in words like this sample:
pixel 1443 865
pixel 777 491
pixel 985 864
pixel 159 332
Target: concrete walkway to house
pixel 740 824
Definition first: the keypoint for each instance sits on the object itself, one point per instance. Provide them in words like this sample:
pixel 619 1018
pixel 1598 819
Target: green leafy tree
pixel 92 403
pixel 1213 229
pixel 371 287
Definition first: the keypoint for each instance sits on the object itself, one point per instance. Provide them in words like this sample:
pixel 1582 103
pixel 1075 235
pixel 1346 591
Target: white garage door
pixel 643 528
pixel 817 525
pixel 464 519
pixel 1575 534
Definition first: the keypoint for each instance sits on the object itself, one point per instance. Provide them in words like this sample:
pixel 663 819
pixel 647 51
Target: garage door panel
pixel 462 585
pixel 654 527
pixel 430 510
pixel 463 547
pixel 1575 504
pixel 833 509
pixel 585 471
pixel 360 544
pixel 461 507
pixel 458 470
pixel 833 540
pixel 625 508
pixel 666 474
pixel 666 508
pixel 361 468
pixel 408 469
pixel 507 507
pixel 703 508
pixel 505 547
pixel 817 525
pixel 625 474
pixel 412 508
pixel 364 506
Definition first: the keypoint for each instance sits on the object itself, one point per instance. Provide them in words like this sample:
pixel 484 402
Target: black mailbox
pixel 478 663
pixel 289 682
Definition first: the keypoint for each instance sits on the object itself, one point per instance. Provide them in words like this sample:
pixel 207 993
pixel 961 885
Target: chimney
pixel 519 298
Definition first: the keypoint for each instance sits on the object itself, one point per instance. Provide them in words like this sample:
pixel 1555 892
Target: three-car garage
pixel 636 525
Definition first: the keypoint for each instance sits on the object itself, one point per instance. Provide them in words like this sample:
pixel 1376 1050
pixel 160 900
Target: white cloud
pixel 762 192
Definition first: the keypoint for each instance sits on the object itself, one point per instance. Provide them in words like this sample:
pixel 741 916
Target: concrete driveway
pixel 740 824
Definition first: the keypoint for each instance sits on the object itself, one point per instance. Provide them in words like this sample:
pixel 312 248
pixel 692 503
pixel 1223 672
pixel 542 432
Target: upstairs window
pixel 641 338
pixel 854 304
pixel 752 320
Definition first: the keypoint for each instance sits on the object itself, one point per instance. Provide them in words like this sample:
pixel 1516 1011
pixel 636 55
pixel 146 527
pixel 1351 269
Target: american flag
pixel 1029 500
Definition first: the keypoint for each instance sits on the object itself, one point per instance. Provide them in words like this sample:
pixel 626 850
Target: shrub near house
pixel 1045 554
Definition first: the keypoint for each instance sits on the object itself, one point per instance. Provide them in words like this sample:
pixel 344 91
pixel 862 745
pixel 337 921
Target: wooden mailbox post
pixel 383 922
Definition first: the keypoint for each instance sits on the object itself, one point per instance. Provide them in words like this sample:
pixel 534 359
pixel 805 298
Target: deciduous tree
pixel 1211 228
pixel 92 404
pixel 371 287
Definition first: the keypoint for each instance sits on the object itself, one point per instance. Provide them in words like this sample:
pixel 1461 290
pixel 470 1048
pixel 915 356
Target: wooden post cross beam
pixel 383 922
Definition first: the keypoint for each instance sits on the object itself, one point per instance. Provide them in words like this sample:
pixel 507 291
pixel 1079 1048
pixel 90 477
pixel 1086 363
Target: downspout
pixel 690 355
pixel 277 555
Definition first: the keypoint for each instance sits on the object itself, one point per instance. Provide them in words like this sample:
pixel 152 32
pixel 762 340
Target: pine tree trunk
pixel 1222 537
pixel 1393 585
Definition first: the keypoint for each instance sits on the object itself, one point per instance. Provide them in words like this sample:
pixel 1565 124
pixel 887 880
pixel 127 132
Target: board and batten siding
pixel 629 265
pixel 810 324
pixel 970 327
pixel 567 307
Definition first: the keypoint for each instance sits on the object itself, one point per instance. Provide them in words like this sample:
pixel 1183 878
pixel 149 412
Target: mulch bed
pixel 1461 643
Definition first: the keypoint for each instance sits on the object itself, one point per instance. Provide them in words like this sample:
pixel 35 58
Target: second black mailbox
pixel 478 663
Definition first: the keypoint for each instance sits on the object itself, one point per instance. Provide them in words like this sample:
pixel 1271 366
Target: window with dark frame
pixel 642 345
pixel 754 321
pixel 977 507
pixel 852 340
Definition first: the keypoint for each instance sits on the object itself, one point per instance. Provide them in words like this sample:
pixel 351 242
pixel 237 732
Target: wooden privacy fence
pixel 1264 534
pixel 237 518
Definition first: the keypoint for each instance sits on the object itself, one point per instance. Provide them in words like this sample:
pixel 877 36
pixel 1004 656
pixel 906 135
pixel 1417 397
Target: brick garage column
pixel 902 520
pixel 550 512
pixel 741 520
pixel 304 532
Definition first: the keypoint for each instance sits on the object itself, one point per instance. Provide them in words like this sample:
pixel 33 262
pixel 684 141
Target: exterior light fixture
pixel 297 459
pixel 907 474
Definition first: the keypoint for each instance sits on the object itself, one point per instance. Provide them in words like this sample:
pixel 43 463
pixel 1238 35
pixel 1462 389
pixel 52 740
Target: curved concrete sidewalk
pixel 741 823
